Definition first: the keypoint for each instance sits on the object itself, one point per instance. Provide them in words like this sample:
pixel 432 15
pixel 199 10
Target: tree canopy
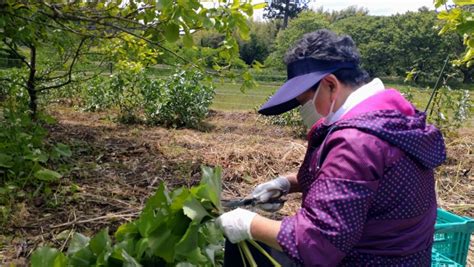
pixel 81 29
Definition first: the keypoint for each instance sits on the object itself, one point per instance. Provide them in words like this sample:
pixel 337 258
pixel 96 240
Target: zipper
pixel 315 159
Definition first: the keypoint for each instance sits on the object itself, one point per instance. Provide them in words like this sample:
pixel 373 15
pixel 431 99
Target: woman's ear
pixel 334 85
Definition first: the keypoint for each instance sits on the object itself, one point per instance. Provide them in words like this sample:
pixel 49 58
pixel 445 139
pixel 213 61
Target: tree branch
pixel 22 58
pixel 69 74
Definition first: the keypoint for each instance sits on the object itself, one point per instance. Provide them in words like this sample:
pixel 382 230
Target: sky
pixel 375 7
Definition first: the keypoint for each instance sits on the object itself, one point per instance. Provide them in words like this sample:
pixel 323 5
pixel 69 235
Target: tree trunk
pixel 285 16
pixel 468 74
pixel 31 86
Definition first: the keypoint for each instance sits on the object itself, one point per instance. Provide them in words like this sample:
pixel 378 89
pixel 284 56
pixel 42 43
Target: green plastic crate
pixel 452 236
pixel 438 260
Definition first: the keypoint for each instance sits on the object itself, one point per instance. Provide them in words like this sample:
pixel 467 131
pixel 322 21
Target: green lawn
pixel 229 97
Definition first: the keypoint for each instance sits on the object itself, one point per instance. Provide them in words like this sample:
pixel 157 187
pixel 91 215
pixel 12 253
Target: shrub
pixel 26 160
pixel 181 100
pixel 290 119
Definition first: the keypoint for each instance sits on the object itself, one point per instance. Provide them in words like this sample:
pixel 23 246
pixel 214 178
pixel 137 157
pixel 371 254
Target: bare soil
pixel 115 167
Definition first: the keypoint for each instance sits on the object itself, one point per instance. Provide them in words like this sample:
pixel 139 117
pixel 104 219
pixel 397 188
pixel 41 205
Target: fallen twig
pixel 105 217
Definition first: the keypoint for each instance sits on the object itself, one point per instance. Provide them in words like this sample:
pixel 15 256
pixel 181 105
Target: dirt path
pixel 115 168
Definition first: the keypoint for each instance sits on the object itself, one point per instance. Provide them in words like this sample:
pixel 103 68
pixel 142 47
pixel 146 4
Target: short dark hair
pixel 326 45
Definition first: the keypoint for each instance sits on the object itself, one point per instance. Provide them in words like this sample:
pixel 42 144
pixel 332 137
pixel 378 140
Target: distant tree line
pixel 389 45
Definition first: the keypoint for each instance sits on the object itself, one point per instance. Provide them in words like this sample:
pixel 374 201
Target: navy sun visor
pixel 302 75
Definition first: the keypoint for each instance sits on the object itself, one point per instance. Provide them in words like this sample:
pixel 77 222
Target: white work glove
pixel 273 189
pixel 236 224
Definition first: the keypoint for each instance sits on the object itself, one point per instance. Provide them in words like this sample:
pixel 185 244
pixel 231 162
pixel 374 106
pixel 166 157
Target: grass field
pixel 229 97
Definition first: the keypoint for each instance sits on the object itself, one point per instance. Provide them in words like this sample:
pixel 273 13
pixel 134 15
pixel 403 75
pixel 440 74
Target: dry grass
pixel 116 167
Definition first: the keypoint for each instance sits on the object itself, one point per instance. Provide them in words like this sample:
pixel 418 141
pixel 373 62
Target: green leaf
pixel 126 231
pixel 188 246
pixel 48 257
pixel 194 210
pixel 171 32
pixel 185 264
pixel 161 245
pixel 37 156
pixel 459 2
pixel 63 150
pixel 160 199
pixel 100 242
pixel 210 186
pixel 78 242
pixel 6 161
pixel 150 220
pixel 129 261
pixel 178 198
pixel 188 40
pixel 82 258
pixel 247 8
pixel 259 6
pixel 439 3
pixel 47 175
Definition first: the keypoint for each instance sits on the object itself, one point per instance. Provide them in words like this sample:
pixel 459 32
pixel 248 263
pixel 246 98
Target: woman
pixel 367 177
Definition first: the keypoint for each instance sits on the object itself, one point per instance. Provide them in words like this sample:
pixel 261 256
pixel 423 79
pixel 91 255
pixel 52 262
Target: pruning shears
pixel 234 203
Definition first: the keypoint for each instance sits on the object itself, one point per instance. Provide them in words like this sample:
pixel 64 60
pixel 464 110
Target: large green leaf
pixel 47 175
pixel 194 210
pixel 178 198
pixel 48 257
pixel 63 150
pixel 129 261
pixel 126 231
pixel 78 242
pixel 171 32
pixel 188 247
pixel 6 161
pixel 100 242
pixel 150 220
pixel 161 244
pixel 161 198
pixel 82 258
pixel 210 186
pixel 188 40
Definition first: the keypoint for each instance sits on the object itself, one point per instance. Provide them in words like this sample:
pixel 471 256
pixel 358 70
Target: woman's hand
pixel 241 224
pixel 274 189
pixel 236 224
pixel 271 190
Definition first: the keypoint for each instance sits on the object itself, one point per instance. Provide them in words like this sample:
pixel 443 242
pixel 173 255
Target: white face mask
pixel 308 111
pixel 328 118
pixel 310 115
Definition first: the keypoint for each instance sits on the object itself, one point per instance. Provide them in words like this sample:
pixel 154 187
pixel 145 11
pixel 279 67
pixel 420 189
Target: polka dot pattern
pixel 339 207
pixel 285 239
pixel 419 259
pixel 410 133
pixel 407 191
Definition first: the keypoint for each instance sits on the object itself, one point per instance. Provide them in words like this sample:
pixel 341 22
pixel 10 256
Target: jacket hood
pixel 390 117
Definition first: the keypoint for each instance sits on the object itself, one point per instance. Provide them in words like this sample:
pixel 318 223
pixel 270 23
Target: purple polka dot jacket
pixel 368 189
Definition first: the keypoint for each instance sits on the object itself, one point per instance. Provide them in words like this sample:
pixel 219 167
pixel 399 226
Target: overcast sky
pixel 376 7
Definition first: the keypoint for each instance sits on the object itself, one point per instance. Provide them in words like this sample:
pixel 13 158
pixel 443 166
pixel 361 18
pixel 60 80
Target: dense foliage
pixel 181 99
pixel 458 18
pixel 73 33
pixel 27 162
pixel 175 228
pixel 306 22
pixel 389 45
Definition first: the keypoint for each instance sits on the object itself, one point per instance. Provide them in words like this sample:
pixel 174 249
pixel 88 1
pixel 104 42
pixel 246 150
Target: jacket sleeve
pixel 335 205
